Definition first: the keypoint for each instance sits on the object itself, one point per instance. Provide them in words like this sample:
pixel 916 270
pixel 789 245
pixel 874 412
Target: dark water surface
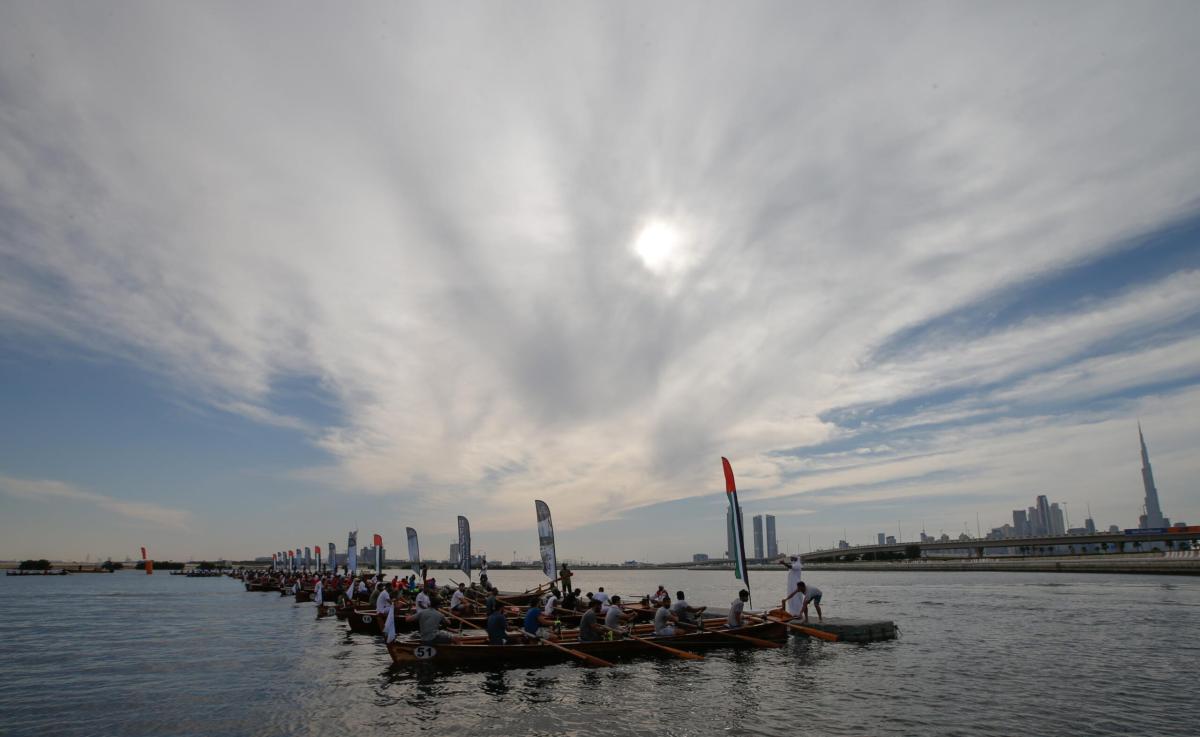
pixel 980 654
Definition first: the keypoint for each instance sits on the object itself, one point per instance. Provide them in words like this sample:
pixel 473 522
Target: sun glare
pixel 660 247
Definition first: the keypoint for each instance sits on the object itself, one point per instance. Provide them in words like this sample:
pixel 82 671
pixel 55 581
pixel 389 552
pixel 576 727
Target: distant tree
pixel 204 565
pixel 1137 545
pixel 35 565
pixel 912 551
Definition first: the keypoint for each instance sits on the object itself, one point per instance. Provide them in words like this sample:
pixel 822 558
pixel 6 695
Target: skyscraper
pixel 1153 516
pixel 1057 525
pixel 772 543
pixel 1043 516
pixel 1020 523
pixel 758 536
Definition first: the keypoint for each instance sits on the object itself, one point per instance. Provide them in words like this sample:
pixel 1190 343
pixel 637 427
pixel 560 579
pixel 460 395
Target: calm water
pixel 981 654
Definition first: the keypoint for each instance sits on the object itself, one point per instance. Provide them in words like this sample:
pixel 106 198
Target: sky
pixel 273 272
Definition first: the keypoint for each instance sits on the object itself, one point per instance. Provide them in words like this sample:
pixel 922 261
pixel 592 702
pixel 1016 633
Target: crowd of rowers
pixel 600 616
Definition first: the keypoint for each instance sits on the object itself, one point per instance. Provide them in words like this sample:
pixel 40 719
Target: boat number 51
pixel 424 652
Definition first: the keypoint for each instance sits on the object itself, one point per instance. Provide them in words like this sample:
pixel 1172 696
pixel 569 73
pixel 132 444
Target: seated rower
pixel 735 609
pixel 497 625
pixel 552 602
pixel 570 601
pixel 383 600
pixel 659 595
pixel 686 613
pixel 589 626
pixel 537 624
pixel 616 617
pixel 458 601
pixel 423 600
pixel 663 619
pixel 429 625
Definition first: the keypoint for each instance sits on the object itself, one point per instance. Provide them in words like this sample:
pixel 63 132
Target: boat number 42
pixel 424 652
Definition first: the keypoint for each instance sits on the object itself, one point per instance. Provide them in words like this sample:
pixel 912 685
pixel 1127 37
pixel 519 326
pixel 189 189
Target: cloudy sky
pixel 269 273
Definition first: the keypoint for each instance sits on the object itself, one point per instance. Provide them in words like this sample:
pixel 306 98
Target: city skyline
pixel 399 266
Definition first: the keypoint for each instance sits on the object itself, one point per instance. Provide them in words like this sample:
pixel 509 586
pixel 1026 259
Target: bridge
pixel 1119 541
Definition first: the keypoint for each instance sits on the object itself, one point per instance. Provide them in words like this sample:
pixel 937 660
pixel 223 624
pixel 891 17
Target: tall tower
pixel 772 543
pixel 1154 516
pixel 758 536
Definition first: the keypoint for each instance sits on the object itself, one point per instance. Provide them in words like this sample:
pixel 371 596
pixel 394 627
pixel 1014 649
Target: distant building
pixel 1021 523
pixel 699 557
pixel 1043 523
pixel 883 537
pixel 1153 517
pixel 1114 529
pixel 772 543
pixel 891 540
pixel 758 536
pixel 1057 525
pixel 1090 526
pixel 843 545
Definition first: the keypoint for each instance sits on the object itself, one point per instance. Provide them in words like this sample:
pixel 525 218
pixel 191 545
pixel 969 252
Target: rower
pixel 601 596
pixel 429 625
pixel 589 627
pixel 685 612
pixel 538 624
pixel 383 600
pixel 458 601
pixel 564 576
pixel 659 595
pixel 423 601
pixel 570 602
pixel 497 624
pixel 663 619
pixel 375 595
pixel 735 609
pixel 616 616
pixel 552 601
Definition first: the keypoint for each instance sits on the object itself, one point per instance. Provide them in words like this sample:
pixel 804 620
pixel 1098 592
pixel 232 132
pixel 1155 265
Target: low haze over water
pixel 980 654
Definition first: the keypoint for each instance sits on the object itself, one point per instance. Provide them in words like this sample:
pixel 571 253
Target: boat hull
pixel 465 656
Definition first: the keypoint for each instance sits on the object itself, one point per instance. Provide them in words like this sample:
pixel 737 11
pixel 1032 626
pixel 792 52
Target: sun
pixel 659 245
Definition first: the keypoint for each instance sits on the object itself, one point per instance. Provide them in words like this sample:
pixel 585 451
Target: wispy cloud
pixel 433 215
pixel 49 490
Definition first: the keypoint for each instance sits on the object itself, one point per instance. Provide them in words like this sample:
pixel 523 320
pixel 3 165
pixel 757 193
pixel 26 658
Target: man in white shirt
pixel 735 608
pixel 423 601
pixel 458 600
pixel 601 596
pixel 384 602
pixel 551 602
pixel 795 570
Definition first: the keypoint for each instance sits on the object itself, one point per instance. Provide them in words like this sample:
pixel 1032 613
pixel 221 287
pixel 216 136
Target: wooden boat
pixel 475 655
pixel 303 595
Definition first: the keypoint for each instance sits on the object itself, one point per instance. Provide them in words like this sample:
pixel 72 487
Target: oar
pixel 810 631
pixel 452 615
pixel 747 638
pixel 680 653
pixel 575 653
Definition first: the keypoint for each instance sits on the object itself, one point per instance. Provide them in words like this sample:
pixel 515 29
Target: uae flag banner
pixel 317 556
pixel 464 546
pixel 379 553
pixel 414 552
pixel 739 543
pixel 546 539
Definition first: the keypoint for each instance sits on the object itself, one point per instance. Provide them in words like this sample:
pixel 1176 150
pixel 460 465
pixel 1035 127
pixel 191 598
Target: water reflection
pixel 495 683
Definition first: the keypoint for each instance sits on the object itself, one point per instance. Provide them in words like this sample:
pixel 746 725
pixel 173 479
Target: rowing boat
pixel 468 655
